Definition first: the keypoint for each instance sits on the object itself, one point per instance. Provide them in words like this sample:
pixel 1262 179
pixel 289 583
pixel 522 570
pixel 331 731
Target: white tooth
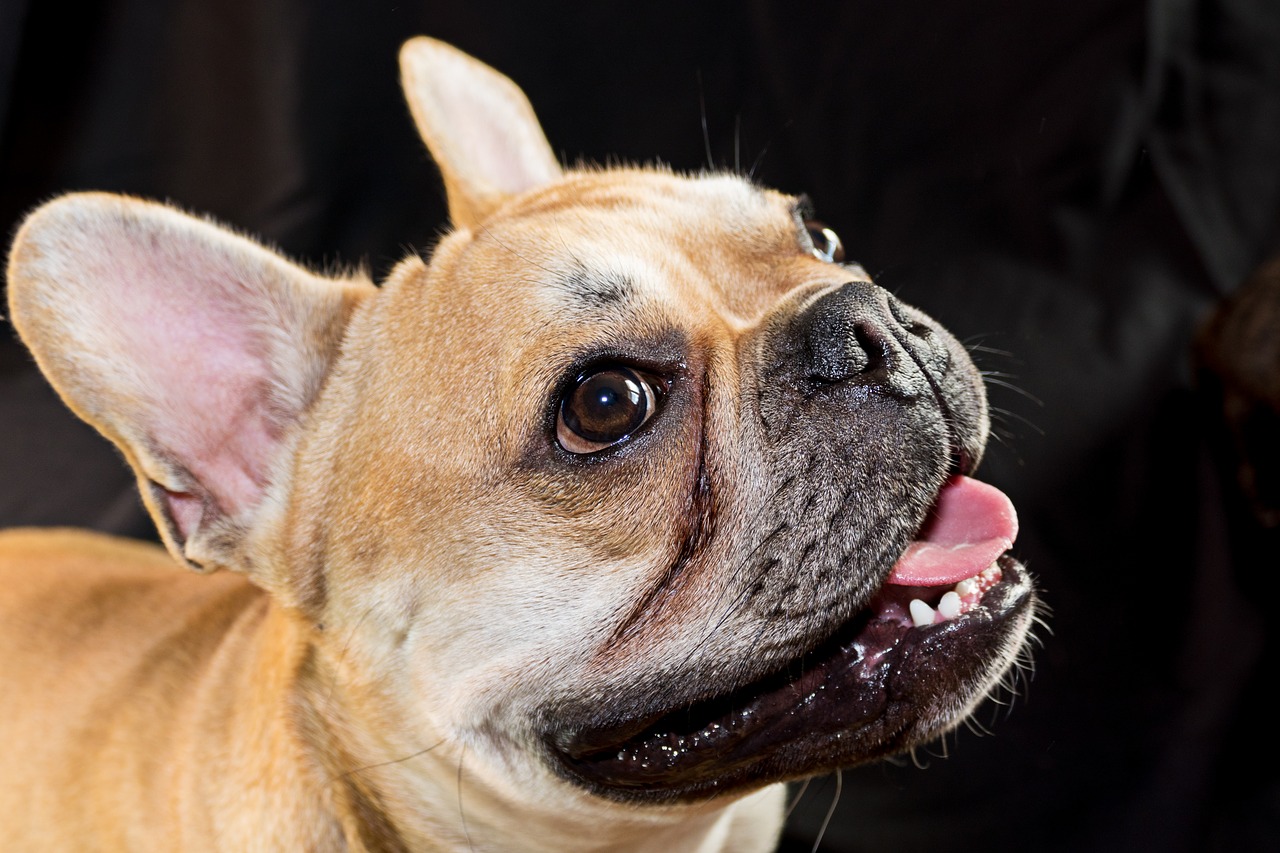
pixel 921 613
pixel 949 606
pixel 967 587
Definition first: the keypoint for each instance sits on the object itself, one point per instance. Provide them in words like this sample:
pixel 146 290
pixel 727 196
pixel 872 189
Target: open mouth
pixel 910 665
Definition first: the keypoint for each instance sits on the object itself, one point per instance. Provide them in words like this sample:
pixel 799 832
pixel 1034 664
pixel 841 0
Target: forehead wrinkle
pixel 597 279
pixel 594 288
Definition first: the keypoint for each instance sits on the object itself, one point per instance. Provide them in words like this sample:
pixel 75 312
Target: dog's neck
pixel 330 784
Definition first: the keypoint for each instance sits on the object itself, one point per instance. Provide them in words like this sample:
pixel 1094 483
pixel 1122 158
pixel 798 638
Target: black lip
pixel 874 688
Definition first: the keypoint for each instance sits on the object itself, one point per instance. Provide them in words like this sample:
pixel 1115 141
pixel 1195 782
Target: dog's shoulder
pixel 62 577
pixel 35 558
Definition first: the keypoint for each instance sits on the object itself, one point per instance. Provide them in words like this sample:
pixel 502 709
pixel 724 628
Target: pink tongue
pixel 971 525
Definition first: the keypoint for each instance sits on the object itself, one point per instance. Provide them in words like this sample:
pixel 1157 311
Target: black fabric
pixel 1069 187
pixel 11 15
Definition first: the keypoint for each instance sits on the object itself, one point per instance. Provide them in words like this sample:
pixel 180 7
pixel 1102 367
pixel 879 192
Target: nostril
pixel 871 353
pixel 848 337
pixel 844 351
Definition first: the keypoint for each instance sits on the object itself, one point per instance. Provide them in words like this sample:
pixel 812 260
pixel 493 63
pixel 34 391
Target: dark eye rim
pixel 660 380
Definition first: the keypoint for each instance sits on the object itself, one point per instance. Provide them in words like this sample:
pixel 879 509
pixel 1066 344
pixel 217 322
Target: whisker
pixel 342 654
pixel 462 813
pixel 755 164
pixel 980 728
pixel 795 801
pixel 995 380
pixel 745 593
pixel 1006 438
pixel 1012 415
pixel 740 676
pixel 706 134
pixel 983 348
pixel 489 233
pixel 409 757
pixel 1040 623
pixel 826 822
pixel 993 697
pixel 737 144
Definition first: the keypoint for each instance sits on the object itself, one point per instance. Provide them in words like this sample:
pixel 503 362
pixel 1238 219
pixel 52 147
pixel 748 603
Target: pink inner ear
pixel 191 327
pixel 186 510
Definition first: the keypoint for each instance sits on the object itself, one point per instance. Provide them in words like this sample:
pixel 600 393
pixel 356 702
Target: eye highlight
pixel 604 407
pixel 826 243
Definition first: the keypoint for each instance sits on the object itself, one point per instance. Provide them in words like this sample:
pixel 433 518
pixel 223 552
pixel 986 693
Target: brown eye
pixel 603 408
pixel 826 243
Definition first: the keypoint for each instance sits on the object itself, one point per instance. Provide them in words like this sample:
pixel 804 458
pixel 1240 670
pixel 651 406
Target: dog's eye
pixel 826 243
pixel 605 407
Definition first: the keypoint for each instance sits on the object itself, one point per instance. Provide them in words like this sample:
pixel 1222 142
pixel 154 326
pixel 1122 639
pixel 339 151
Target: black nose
pixel 853 372
pixel 853 336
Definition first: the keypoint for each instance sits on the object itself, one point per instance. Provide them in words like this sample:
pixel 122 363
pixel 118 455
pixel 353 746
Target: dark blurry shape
pixel 1237 359
pixel 1238 352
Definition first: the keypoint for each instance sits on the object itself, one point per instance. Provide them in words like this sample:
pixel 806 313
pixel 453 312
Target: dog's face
pixel 615 490
pixel 663 454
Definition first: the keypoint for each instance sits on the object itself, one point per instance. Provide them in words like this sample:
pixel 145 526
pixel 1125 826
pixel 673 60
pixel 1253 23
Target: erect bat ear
pixel 478 126
pixel 195 350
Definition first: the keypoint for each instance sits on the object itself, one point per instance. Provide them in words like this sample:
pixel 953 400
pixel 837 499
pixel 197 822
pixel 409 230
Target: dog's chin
pixel 879 685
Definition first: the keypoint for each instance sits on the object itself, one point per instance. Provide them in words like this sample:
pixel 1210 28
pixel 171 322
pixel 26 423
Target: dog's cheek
pixel 624 513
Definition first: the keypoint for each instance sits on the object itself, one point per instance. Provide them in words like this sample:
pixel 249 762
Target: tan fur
pixel 219 724
pixel 147 709
pixel 416 570
pixel 144 673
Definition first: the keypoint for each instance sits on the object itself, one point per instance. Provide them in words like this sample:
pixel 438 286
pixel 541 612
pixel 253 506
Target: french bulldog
pixel 630 504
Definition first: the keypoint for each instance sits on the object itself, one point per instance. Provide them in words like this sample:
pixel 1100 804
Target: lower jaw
pixel 878 686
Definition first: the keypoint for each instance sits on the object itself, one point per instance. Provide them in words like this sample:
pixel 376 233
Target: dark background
pixel 1072 185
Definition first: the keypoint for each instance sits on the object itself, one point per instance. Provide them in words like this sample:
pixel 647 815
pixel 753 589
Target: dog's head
pixel 630 488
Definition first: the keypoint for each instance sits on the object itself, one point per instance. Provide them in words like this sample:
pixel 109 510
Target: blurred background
pixel 1071 187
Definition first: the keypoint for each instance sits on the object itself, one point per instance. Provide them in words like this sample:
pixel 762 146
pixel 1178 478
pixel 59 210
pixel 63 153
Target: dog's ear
pixel 478 126
pixel 193 349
